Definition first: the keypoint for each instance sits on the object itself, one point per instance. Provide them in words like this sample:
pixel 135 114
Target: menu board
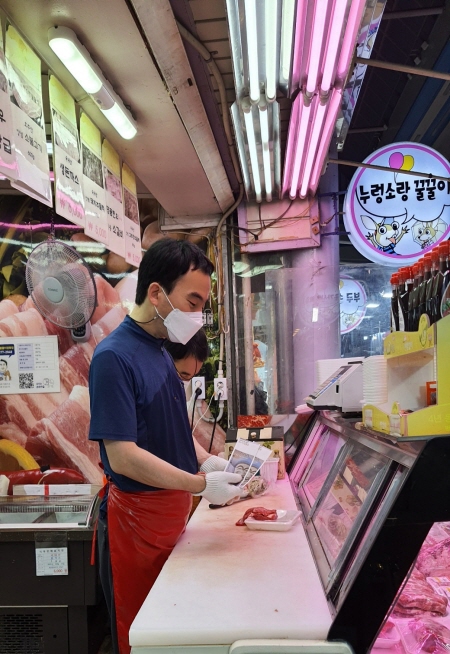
pixel 69 200
pixel 25 90
pixel 29 364
pixel 114 199
pixel 8 165
pixel 347 495
pixel 133 248
pixel 96 225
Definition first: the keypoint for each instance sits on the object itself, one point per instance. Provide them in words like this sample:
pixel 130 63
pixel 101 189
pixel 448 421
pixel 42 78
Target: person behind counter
pixel 139 418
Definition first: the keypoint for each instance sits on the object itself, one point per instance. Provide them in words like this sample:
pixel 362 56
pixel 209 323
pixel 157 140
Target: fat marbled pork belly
pixel 62 438
pixel 7 308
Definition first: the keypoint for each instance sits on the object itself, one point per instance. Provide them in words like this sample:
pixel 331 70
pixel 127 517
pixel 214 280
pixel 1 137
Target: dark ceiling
pixel 394 106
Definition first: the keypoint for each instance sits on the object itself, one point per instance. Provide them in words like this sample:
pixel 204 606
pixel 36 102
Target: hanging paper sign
pixel 25 88
pixel 114 199
pixel 69 200
pixel 133 248
pixel 394 218
pixel 353 301
pixel 96 225
pixel 8 165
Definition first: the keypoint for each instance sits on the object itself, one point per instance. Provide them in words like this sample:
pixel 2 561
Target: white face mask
pixel 181 325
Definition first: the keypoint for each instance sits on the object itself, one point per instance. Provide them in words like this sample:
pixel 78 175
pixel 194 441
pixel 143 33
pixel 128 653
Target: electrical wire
pixel 203 414
pixel 214 425
pixel 198 391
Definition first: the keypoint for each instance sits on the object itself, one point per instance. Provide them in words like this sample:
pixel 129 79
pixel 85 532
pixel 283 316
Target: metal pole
pixel 357 164
pixel 248 341
pixel 424 72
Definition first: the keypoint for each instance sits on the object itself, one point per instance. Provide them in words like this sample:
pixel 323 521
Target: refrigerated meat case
pixel 54 614
pixel 367 501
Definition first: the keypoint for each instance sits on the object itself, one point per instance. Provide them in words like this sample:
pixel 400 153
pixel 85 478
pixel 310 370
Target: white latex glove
pixel 219 487
pixel 214 464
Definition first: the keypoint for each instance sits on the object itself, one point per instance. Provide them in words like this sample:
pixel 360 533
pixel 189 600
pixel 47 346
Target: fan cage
pixel 56 259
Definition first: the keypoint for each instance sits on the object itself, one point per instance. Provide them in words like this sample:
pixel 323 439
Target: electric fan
pixel 62 286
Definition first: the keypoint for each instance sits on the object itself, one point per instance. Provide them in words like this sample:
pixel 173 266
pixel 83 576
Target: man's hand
pixel 220 487
pixel 214 464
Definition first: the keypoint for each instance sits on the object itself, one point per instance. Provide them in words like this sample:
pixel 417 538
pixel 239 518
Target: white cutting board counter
pixel 223 583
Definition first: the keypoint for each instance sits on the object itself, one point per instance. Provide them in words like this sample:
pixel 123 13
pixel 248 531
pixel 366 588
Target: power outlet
pixel 199 382
pixel 220 388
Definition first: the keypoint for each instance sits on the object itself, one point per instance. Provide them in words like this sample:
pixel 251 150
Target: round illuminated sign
pixel 353 301
pixel 392 217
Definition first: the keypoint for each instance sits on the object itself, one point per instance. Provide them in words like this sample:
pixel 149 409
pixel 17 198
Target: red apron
pixel 143 529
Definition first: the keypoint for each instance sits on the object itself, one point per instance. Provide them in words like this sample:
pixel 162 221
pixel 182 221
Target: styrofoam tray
pixel 284 521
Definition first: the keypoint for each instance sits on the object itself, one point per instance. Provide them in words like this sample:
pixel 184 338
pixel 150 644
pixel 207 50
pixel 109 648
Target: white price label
pixel 51 561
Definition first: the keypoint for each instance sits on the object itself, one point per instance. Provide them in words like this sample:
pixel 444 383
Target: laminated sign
pixel 114 199
pixel 25 91
pixel 8 165
pixel 133 248
pixel 69 200
pixel 394 217
pixel 96 225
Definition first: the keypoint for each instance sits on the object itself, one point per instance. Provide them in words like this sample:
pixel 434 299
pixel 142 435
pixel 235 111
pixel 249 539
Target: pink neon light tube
pixel 351 33
pixel 322 150
pixel 332 45
pixel 298 44
pixel 300 147
pixel 291 141
pixel 320 14
pixel 317 124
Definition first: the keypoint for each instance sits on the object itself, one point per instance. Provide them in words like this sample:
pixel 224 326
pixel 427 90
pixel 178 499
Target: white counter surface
pixel 224 583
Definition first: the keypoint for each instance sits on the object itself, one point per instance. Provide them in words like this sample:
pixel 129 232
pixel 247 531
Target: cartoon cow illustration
pixel 427 233
pixel 387 233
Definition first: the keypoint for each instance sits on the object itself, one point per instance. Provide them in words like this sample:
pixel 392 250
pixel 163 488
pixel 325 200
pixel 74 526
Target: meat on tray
pixel 360 477
pixel 430 636
pixel 258 513
pixel 434 558
pixel 418 597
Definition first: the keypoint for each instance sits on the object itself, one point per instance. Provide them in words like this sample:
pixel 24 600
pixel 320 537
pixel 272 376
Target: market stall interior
pixel 303 145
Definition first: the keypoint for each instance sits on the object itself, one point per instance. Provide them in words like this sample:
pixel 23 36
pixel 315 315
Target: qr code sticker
pixel 26 380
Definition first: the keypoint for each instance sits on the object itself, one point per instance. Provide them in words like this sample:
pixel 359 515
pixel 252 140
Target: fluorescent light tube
pixel 264 126
pixel 315 51
pixel 331 48
pixel 316 130
pixel 252 49
pixel 322 150
pixel 351 32
pixel 66 46
pixel 300 149
pixel 287 33
pixel 271 32
pixel 238 132
pixel 253 152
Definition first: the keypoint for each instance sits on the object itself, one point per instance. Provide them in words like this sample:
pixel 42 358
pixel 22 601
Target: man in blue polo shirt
pixel 139 418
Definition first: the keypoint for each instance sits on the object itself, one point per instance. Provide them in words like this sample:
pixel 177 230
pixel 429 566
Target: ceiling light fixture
pixel 65 44
pixel 325 33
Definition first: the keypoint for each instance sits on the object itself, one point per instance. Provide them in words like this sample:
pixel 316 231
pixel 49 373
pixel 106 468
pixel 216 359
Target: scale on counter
pixel 343 390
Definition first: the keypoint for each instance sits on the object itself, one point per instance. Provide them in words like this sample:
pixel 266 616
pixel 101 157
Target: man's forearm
pixel 200 452
pixel 126 458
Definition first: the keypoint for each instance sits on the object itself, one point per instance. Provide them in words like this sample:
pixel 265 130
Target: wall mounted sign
pixel 69 199
pixel 29 364
pixel 96 225
pixel 8 165
pixel 114 199
pixel 353 301
pixel 25 92
pixel 133 247
pixel 394 218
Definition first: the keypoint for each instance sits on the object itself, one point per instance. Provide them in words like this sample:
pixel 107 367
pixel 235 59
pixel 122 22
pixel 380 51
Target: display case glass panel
pixel 348 492
pixel 38 511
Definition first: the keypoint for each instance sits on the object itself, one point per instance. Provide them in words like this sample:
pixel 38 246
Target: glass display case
pixel 368 503
pixel 31 512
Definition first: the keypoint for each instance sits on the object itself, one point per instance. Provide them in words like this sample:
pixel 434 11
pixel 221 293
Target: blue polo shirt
pixel 136 395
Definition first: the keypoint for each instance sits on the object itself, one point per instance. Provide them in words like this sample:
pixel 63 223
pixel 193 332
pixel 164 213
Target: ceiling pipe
pixel 386 65
pixel 413 13
pixel 367 130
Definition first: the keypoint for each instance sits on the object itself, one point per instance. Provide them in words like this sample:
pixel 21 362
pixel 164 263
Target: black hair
pixel 166 261
pixel 197 347
pixel 6 363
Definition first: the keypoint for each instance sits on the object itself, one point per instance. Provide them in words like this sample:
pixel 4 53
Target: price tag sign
pixel 51 561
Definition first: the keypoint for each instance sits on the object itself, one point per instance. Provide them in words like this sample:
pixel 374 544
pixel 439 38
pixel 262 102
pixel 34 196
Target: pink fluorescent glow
pixel 317 125
pixel 39 227
pixel 327 133
pixel 300 19
pixel 320 15
pixel 299 149
pixel 351 33
pixel 292 141
pixel 331 48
